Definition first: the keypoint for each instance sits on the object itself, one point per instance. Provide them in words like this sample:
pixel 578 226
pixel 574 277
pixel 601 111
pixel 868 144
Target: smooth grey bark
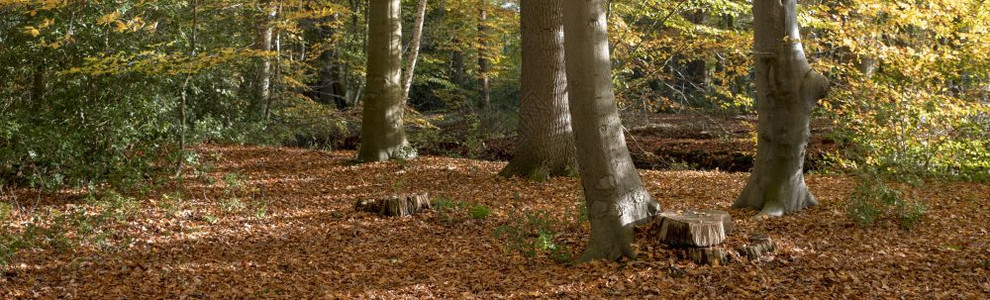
pixel 483 63
pixel 413 49
pixel 382 134
pixel 614 194
pixel 786 91
pixel 546 144
pixel 264 43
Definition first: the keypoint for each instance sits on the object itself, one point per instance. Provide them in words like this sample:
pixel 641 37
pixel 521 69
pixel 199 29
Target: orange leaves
pixel 311 244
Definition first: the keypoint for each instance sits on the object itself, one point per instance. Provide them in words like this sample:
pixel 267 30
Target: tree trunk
pixel 264 43
pixel 614 194
pixel 696 70
pixel 382 133
pixel 546 145
pixel 483 63
pixel 787 90
pixel 38 84
pixel 331 77
pixel 694 228
pixel 413 49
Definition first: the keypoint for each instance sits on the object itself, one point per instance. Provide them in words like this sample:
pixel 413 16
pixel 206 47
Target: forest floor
pixel 259 222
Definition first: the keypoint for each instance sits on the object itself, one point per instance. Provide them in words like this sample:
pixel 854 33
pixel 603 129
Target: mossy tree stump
pixel 395 206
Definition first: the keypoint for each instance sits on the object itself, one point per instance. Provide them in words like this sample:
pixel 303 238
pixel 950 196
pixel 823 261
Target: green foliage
pixel 532 234
pixel 232 205
pixel 874 199
pixel 65 231
pixel 479 212
pixel 922 111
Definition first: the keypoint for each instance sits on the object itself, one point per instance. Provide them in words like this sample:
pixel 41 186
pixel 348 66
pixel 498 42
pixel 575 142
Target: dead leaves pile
pixel 308 242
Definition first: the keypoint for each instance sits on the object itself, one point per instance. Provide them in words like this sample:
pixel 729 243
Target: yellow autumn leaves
pixel 133 25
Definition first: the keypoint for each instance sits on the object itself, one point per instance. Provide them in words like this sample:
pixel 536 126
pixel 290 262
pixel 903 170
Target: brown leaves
pixel 311 243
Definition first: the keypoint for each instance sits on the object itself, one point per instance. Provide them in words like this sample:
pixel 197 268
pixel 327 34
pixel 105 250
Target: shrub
pixel 873 199
pixel 532 234
pixel 480 212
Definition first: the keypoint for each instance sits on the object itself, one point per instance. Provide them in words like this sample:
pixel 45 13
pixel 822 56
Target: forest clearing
pixel 310 243
pixel 490 149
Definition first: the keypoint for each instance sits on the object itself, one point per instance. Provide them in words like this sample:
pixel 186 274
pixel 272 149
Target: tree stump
pixel 694 228
pixel 395 206
pixel 705 256
pixel 760 245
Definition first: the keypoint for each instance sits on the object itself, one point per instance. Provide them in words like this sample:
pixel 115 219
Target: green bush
pixel 479 212
pixel 874 199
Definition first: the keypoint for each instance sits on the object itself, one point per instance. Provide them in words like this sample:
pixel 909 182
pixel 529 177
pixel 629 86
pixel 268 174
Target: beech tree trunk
pixel 546 144
pixel 382 134
pixel 787 89
pixel 614 194
pixel 483 63
pixel 413 49
pixel 264 43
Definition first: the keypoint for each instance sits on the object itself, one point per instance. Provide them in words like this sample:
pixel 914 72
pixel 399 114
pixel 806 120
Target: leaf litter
pixel 287 229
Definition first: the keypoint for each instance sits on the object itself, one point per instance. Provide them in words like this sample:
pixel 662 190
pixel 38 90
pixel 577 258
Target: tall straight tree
pixel 262 91
pixel 382 134
pixel 614 194
pixel 786 91
pixel 484 65
pixel 546 145
pixel 413 55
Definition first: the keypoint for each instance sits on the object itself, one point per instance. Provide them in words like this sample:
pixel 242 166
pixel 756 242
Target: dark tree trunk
pixel 546 144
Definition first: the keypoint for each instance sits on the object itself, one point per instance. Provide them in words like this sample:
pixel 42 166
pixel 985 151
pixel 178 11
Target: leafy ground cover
pixel 257 222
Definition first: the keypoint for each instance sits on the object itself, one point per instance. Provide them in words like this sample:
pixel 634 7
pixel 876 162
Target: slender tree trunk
pixel 787 90
pixel 483 63
pixel 38 83
pixel 264 43
pixel 185 91
pixel 615 196
pixel 382 133
pixel 546 145
pixel 413 49
pixel 331 83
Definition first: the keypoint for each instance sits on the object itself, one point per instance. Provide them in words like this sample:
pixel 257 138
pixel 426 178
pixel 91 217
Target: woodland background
pixel 112 113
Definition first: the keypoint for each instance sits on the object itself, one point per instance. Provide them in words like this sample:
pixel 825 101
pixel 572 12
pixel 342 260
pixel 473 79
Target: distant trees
pixel 382 134
pixel 546 144
pixel 614 194
pixel 787 89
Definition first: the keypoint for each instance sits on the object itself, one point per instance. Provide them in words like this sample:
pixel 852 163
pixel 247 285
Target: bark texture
pixel 786 91
pixel 694 228
pixel 262 84
pixel 395 206
pixel 483 64
pixel 546 144
pixel 615 196
pixel 413 55
pixel 382 134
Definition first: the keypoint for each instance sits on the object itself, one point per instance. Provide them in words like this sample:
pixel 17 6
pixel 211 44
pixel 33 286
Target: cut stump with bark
pixel 395 206
pixel 694 228
pixel 759 246
pixel 705 256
